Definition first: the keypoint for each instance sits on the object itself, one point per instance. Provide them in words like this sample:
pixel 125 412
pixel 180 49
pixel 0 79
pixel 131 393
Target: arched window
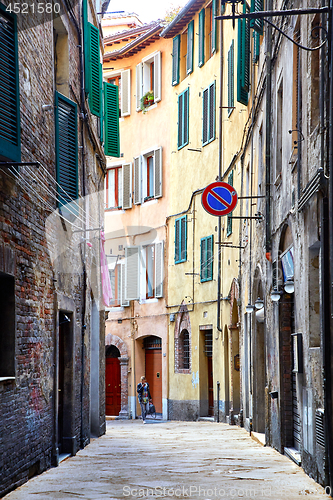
pixel 184 350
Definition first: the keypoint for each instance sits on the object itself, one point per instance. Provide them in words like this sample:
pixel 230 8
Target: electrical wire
pixel 92 220
pixel 26 187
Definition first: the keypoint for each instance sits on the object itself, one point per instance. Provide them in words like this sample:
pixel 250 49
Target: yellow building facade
pixel 137 204
pixel 203 275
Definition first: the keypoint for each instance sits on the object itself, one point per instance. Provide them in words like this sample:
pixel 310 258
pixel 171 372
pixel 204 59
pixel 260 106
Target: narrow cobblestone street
pixel 172 460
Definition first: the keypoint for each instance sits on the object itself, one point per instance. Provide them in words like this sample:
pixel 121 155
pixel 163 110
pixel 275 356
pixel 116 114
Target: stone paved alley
pixel 172 460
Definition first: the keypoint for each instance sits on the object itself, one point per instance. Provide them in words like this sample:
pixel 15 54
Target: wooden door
pixel 112 386
pixel 154 376
pixel 210 387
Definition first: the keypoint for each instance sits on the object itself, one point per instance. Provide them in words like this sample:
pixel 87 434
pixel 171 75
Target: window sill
pixel 148 301
pixel 149 201
pixel 206 281
pixel 116 209
pixel 7 379
pixel 180 261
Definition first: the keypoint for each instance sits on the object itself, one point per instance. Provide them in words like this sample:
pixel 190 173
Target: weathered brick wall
pixel 28 404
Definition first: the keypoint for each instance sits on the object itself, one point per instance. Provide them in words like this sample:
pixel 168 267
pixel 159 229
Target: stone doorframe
pixel 121 346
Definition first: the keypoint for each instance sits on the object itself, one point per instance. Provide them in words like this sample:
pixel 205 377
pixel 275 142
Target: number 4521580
pixel 34 8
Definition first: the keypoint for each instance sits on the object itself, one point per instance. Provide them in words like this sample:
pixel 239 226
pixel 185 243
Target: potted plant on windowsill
pixel 147 100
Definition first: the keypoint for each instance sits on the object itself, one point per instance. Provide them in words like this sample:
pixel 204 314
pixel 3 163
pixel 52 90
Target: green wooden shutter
pixel 208 114
pixel 256 47
pixel 180 120
pixel 201 38
pixel 209 257
pixel 186 116
pixel 257 24
pixel 177 236
pixel 66 149
pixel 205 101
pixel 190 47
pixel 214 27
pixel 243 60
pixel 206 258
pixel 183 118
pixel 10 143
pixel 229 217
pixel 95 71
pixel 183 238
pixel 231 78
pixel 211 122
pixel 202 258
pixel 175 60
pixel 111 114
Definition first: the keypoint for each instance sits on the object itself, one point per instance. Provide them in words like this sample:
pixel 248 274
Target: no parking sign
pixel 219 198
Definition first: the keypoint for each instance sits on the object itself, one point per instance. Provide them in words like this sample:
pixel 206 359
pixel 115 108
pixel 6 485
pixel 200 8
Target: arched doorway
pixel 112 381
pixel 153 369
pixel 235 369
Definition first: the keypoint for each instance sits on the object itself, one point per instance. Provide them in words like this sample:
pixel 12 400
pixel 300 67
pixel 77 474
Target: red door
pixel 154 376
pixel 210 387
pixel 112 386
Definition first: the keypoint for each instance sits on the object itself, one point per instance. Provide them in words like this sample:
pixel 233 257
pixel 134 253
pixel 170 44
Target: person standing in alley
pixel 144 397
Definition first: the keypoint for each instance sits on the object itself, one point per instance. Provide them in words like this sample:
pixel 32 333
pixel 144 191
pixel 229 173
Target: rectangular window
pixel 231 99
pixel 150 177
pixel 7 331
pixel 10 144
pixel 181 239
pixel 183 118
pixel 115 279
pixel 208 127
pixel 66 149
pixel 206 258
pixel 229 217
pixel 243 59
pixel 210 29
pixel 150 271
pixel 114 188
pixel 148 81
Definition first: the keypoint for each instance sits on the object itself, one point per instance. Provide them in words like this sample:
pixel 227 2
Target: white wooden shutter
pixel 123 301
pixel 158 173
pixel 132 273
pixel 137 180
pixel 127 185
pixel 159 262
pixel 138 86
pixel 126 92
pixel 157 77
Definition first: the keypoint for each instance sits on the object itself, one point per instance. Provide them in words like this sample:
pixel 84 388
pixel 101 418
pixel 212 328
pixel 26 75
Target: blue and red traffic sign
pixel 219 198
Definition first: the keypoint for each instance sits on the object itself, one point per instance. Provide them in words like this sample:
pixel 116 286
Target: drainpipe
pixel 219 259
pixel 328 297
pixel 268 131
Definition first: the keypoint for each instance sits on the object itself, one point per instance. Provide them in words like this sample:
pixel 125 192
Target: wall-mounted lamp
pixel 47 107
pixel 249 308
pixel 260 315
pixel 275 295
pixel 259 303
pixel 289 286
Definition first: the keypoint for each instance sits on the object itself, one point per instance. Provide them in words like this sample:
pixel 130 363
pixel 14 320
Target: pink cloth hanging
pixel 106 283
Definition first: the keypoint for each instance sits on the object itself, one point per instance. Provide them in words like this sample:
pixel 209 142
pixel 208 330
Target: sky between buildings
pixel 147 10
